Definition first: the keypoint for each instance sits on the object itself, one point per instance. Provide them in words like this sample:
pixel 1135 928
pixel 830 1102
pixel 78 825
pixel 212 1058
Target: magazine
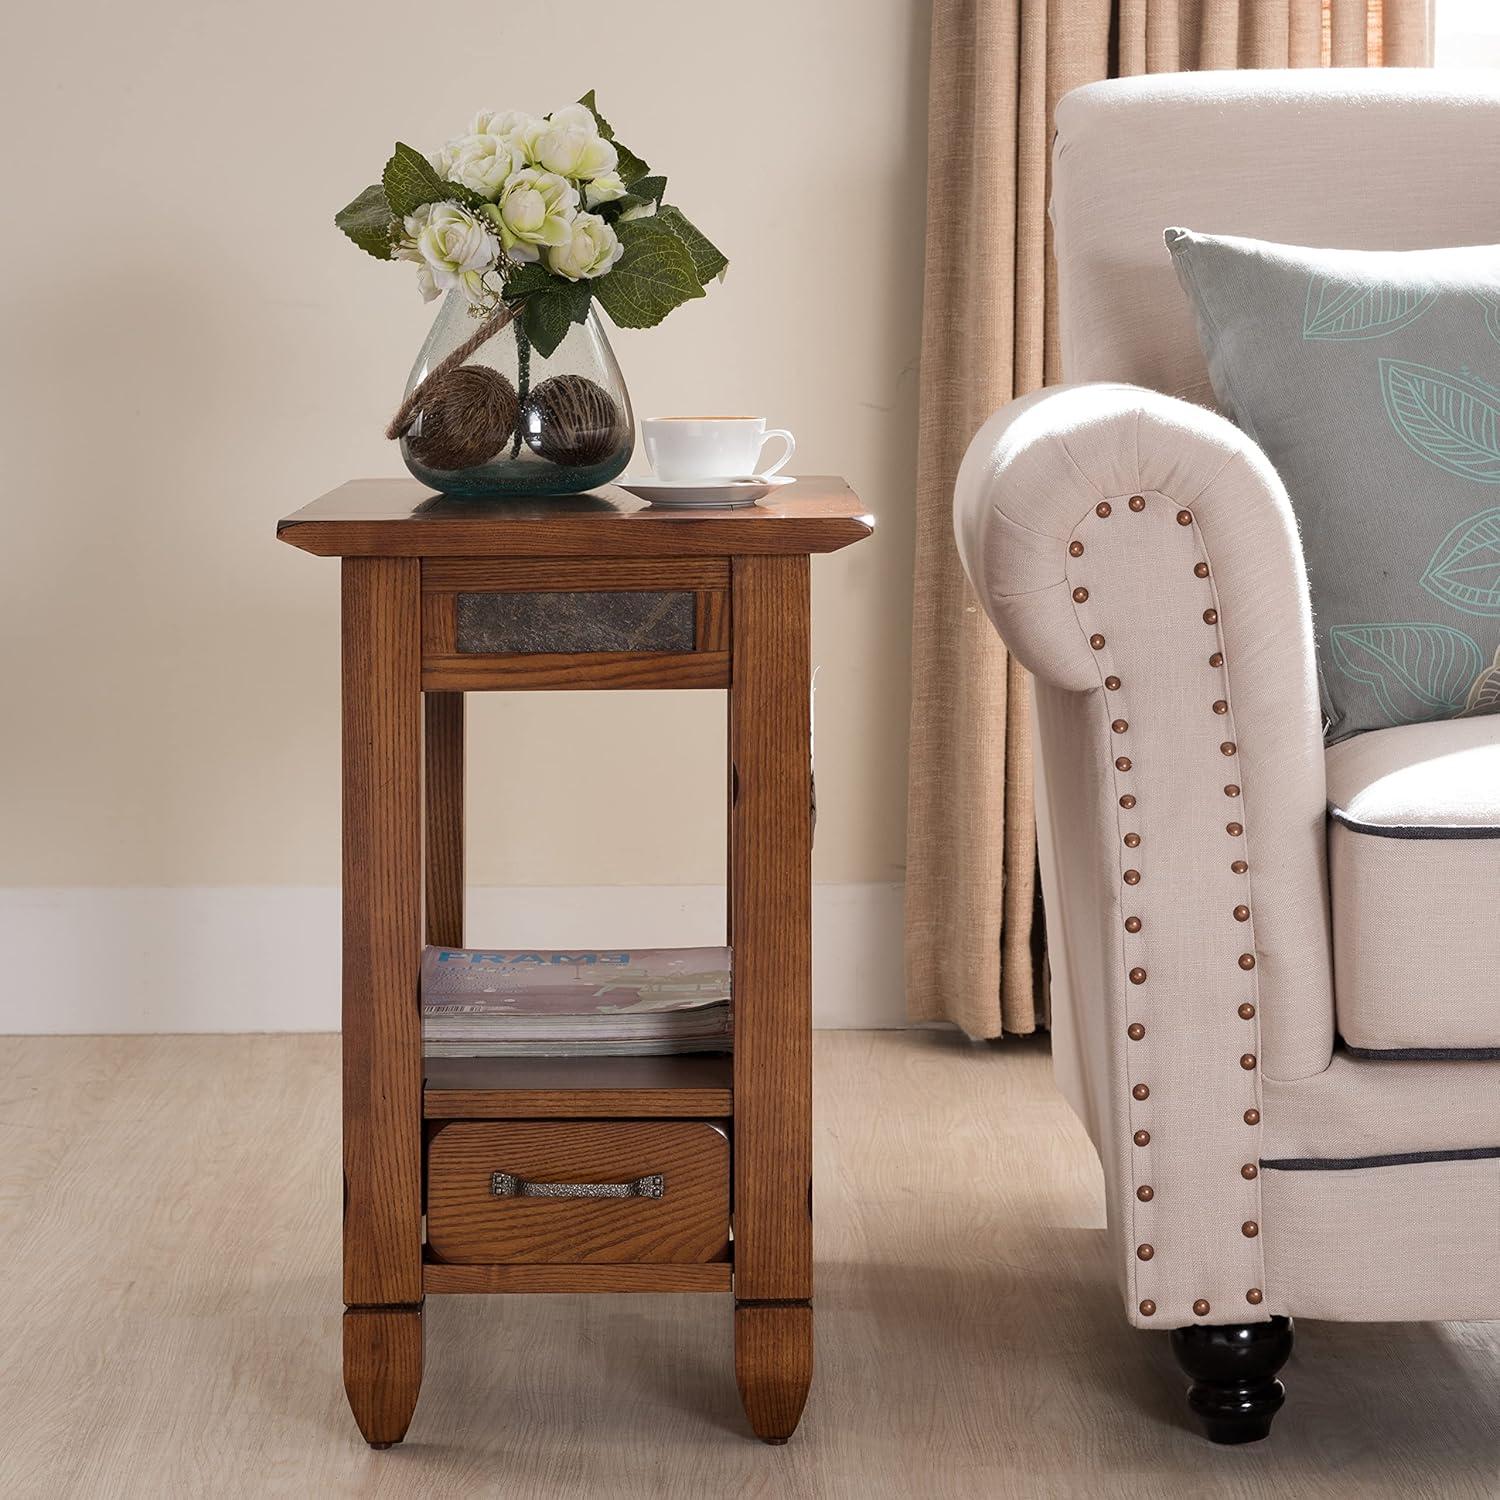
pixel 480 1002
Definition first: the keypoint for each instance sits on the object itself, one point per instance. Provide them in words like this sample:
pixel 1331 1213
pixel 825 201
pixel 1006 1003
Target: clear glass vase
pixel 508 422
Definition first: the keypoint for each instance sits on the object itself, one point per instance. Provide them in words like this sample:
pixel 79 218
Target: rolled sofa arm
pixel 1140 557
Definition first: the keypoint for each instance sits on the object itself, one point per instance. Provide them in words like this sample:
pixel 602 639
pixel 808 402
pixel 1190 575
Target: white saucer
pixel 703 494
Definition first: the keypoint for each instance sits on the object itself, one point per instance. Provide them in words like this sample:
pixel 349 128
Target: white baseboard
pixel 265 958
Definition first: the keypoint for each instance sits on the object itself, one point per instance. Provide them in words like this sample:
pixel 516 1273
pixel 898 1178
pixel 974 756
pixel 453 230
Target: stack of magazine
pixel 577 1003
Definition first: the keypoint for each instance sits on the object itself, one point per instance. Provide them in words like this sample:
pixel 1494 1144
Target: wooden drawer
pixel 497 1192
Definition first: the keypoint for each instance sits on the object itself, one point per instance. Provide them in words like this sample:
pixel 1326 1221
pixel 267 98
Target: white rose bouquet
pixel 536 219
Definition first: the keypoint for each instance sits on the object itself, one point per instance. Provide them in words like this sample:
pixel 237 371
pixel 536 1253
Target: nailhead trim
pixel 1136 974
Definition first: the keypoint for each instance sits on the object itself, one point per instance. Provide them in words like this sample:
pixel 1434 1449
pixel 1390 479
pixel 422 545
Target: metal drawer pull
pixel 508 1185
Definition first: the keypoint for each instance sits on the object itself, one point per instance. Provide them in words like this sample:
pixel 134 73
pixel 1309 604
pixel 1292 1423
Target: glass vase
pixel 507 422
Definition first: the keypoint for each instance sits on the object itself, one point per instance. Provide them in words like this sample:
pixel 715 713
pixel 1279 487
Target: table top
pixel 402 518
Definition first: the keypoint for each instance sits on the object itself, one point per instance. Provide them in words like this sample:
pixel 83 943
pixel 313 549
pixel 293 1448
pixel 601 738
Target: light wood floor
pixel 169 1314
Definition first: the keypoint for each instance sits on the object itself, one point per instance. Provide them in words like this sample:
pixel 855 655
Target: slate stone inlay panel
pixel 515 623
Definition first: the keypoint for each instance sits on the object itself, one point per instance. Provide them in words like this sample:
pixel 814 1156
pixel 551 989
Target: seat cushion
pixel 1414 872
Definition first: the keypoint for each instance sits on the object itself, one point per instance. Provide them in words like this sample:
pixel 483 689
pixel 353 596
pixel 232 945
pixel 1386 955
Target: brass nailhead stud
pixel 1247 1061
pixel 1217 659
pixel 1137 502
pixel 1148 1308
pixel 1075 549
pixel 1249 1229
pixel 1132 841
pixel 1242 914
pixel 1249 1171
pixel 1135 1031
pixel 1142 1137
pixel 1254 1296
pixel 1097 642
pixel 1247 1012
pixel 1220 706
pixel 1200 570
pixel 1247 960
pixel 1122 763
pixel 1228 747
pixel 1132 924
pixel 1252 1117
pixel 1234 830
pixel 1128 801
pixel 1120 725
pixel 1210 617
pixel 1144 1252
pixel 1138 976
pixel 1185 518
pixel 1113 684
pixel 1132 877
pixel 1231 790
pixel 1145 1193
pixel 1102 508
pixel 1080 596
pixel 1201 1309
pixel 1240 866
pixel 1140 1091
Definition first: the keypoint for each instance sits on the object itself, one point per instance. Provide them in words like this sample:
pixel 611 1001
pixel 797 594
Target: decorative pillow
pixel 1371 379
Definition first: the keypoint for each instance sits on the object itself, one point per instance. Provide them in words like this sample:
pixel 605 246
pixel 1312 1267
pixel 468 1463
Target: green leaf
pixel 522 281
pixel 549 314
pixel 631 167
pixel 654 275
pixel 648 189
pixel 367 221
pixel 411 180
pixel 708 260
pixel 588 103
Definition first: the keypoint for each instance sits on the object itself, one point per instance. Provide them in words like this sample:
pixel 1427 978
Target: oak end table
pixel 443 597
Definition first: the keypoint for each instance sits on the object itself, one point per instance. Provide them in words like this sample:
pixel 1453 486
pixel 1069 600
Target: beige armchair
pixel 1276 997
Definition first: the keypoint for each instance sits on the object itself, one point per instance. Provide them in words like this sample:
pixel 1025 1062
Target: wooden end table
pixel 443 597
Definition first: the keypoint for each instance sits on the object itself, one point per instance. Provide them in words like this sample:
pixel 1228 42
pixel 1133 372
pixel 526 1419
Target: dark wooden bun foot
pixel 1235 1393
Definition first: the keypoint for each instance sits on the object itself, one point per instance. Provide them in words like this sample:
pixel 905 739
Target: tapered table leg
pixel 770 921
pixel 382 1054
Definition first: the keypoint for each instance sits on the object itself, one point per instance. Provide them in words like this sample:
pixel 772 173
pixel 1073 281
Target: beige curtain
pixel 973 949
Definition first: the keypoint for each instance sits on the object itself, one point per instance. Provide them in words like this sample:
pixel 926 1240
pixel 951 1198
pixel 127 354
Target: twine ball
pixel 467 417
pixel 570 420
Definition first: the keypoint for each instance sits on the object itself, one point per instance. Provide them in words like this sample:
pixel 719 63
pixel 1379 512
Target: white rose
pixel 591 251
pixel 573 147
pixel 452 248
pixel 535 209
pixel 502 122
pixel 483 163
pixel 605 188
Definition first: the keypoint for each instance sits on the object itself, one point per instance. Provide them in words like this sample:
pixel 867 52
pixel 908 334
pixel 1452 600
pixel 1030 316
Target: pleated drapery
pixel 989 334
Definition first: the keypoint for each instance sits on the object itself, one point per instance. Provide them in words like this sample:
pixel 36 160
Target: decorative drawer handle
pixel 508 1185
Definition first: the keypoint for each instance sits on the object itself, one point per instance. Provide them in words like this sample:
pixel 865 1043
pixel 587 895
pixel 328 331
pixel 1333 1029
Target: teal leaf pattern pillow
pixel 1371 378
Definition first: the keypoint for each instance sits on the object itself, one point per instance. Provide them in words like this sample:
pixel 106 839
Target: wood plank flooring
pixel 169 1314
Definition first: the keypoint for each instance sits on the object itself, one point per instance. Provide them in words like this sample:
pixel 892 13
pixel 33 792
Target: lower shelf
pixel 691 1086
pixel 439 1279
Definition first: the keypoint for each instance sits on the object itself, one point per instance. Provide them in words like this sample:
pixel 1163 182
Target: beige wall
pixel 190 349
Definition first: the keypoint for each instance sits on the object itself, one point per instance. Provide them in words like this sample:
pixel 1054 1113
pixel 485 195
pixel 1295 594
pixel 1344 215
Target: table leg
pixel 770 829
pixel 445 819
pixel 381 1016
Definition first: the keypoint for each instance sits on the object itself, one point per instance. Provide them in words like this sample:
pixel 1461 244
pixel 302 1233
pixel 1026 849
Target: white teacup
pixel 708 448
